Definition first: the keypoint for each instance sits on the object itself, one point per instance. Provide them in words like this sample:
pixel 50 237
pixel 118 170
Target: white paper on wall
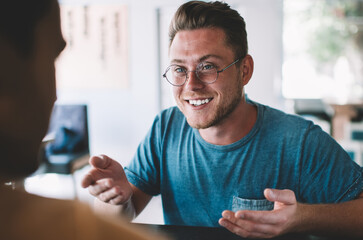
pixel 97 41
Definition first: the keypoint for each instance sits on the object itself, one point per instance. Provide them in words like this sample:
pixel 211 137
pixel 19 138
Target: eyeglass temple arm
pixel 229 65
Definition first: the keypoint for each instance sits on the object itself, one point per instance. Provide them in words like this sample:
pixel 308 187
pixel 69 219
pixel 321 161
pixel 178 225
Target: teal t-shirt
pixel 198 180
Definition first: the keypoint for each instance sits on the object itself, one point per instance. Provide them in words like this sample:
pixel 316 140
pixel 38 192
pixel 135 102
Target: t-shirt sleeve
pixel 328 175
pixel 144 169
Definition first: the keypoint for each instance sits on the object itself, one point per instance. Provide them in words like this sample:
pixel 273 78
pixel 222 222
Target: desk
pixel 214 233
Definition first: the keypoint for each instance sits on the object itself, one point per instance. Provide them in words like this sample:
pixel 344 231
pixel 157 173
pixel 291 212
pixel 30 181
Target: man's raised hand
pixel 107 181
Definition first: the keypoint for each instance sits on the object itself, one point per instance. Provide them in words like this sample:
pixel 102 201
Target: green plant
pixel 336 24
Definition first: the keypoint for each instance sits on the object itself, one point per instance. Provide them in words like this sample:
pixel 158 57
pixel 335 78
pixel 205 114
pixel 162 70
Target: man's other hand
pixel 265 224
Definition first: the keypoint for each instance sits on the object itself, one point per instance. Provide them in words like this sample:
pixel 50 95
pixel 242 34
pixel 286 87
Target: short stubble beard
pixel 223 112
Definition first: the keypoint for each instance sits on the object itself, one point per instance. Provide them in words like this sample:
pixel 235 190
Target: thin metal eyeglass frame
pixel 186 74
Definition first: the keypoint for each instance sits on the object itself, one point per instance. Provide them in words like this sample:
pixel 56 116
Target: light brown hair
pixel 197 14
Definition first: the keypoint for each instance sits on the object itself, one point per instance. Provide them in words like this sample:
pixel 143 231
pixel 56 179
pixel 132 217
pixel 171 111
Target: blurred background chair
pixel 317 111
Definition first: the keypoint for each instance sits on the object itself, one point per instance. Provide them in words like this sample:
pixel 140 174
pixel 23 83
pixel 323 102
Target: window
pixel 323 49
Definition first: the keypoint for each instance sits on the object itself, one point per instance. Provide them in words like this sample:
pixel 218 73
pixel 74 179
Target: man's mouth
pixel 199 102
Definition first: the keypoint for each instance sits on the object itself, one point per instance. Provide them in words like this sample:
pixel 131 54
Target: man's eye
pixel 207 67
pixel 179 70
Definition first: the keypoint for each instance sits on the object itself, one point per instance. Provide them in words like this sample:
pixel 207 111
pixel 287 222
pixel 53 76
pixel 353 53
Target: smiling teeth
pixel 199 102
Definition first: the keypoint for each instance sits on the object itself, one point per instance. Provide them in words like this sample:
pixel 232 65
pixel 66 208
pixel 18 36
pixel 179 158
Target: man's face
pixel 29 95
pixel 188 49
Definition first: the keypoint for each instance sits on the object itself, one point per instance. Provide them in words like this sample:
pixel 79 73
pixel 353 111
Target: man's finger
pixel 101 161
pixel 283 196
pixel 110 194
pixel 263 217
pixel 241 230
pixel 117 200
pixel 250 226
pixel 100 186
pixel 87 180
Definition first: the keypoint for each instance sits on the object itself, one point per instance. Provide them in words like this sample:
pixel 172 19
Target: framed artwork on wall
pixel 96 55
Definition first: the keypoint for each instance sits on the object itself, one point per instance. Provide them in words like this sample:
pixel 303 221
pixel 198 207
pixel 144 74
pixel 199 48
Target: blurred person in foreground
pixel 222 159
pixel 30 42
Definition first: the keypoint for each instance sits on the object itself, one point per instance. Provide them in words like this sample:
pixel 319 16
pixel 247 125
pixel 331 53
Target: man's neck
pixel 237 125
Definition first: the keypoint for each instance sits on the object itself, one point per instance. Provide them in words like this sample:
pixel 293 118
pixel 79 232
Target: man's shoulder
pixel 62 219
pixel 276 118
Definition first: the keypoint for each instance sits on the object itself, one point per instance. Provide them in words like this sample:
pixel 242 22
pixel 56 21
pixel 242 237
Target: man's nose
pixel 193 82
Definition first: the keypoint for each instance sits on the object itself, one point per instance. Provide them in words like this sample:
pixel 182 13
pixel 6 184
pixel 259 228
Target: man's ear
pixel 247 69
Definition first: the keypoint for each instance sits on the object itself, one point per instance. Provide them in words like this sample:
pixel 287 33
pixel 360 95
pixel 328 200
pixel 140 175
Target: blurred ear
pixel 247 69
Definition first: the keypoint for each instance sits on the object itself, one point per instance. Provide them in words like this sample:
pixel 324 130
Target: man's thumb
pixel 101 161
pixel 284 196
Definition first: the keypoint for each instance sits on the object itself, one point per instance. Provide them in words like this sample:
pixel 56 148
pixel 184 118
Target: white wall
pixel 264 31
pixel 119 119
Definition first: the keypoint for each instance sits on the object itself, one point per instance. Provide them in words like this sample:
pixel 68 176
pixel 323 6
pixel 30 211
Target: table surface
pixel 216 233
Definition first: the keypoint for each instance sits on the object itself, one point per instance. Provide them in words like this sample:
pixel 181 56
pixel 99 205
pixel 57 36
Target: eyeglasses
pixel 205 71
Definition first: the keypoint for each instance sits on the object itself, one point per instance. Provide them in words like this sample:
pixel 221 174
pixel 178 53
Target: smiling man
pixel 209 105
pixel 219 153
